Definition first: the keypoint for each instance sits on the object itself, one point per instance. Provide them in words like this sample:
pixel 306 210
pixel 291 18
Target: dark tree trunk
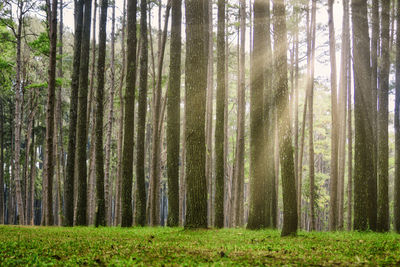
pixel 397 129
pixel 219 124
pixel 258 196
pixel 81 212
pixel 383 122
pixel 140 208
pixel 364 167
pixel 195 85
pixel 70 169
pixel 173 114
pixel 285 137
pixel 1 162
pixel 101 209
pixel 49 166
pixel 127 153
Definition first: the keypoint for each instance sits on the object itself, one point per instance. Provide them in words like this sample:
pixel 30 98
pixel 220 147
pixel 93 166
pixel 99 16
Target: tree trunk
pixel 81 212
pixel 127 154
pixel 364 167
pixel 49 166
pixel 118 182
pixel 173 115
pixel 219 126
pixel 99 155
pixel 333 185
pixel 1 162
pixel 107 178
pixel 195 85
pixel 70 169
pixel 342 112
pixel 383 224
pixel 257 215
pixel 285 137
pixel 397 129
pixel 155 167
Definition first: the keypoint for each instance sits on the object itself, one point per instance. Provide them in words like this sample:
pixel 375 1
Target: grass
pixel 175 246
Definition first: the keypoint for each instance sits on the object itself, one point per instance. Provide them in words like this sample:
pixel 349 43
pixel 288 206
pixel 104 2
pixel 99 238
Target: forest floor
pixel 175 246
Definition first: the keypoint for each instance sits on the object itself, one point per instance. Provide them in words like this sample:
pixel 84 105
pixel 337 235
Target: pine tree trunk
pixel 118 182
pixel 397 129
pixel 155 167
pixel 383 224
pixel 50 110
pixel 195 85
pixel 82 205
pixel 127 154
pixel 1 162
pixel 364 167
pixel 70 169
pixel 107 178
pixel 173 115
pixel 333 185
pixel 285 138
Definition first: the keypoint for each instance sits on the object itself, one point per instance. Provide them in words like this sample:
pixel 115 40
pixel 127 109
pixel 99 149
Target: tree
pixel 257 215
pixel 219 124
pixel 1 161
pixel 383 122
pixel 82 112
pixel 70 168
pixel 364 167
pixel 285 138
pixel 127 153
pixel 140 208
pixel 195 94
pixel 311 63
pixel 173 114
pixel 240 143
pixel 333 185
pixel 49 167
pixel 101 209
pixel 397 129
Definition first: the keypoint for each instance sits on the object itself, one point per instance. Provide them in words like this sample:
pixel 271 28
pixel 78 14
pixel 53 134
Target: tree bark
pixel 70 169
pixel 195 85
pixel 127 154
pixel 1 162
pixel 333 186
pixel 173 115
pixel 364 167
pixel 285 137
pixel 397 129
pixel 81 212
pixel 383 224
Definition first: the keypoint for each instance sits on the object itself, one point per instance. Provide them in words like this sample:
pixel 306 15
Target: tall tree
pixel 101 209
pixel 140 203
pixel 372 181
pixel 157 126
pixel 49 167
pixel 383 122
pixel 82 113
pixel 364 167
pixel 397 129
pixel 173 114
pixel 107 179
pixel 195 94
pixel 285 137
pixel 219 125
pixel 127 153
pixel 240 142
pixel 70 168
pixel 342 111
pixel 333 185
pixel 311 163
pixel 257 215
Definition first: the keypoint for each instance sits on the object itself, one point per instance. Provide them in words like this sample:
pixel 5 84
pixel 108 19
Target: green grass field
pixel 175 246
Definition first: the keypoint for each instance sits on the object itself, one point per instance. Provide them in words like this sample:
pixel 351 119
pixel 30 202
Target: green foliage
pixel 160 246
pixel 41 45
